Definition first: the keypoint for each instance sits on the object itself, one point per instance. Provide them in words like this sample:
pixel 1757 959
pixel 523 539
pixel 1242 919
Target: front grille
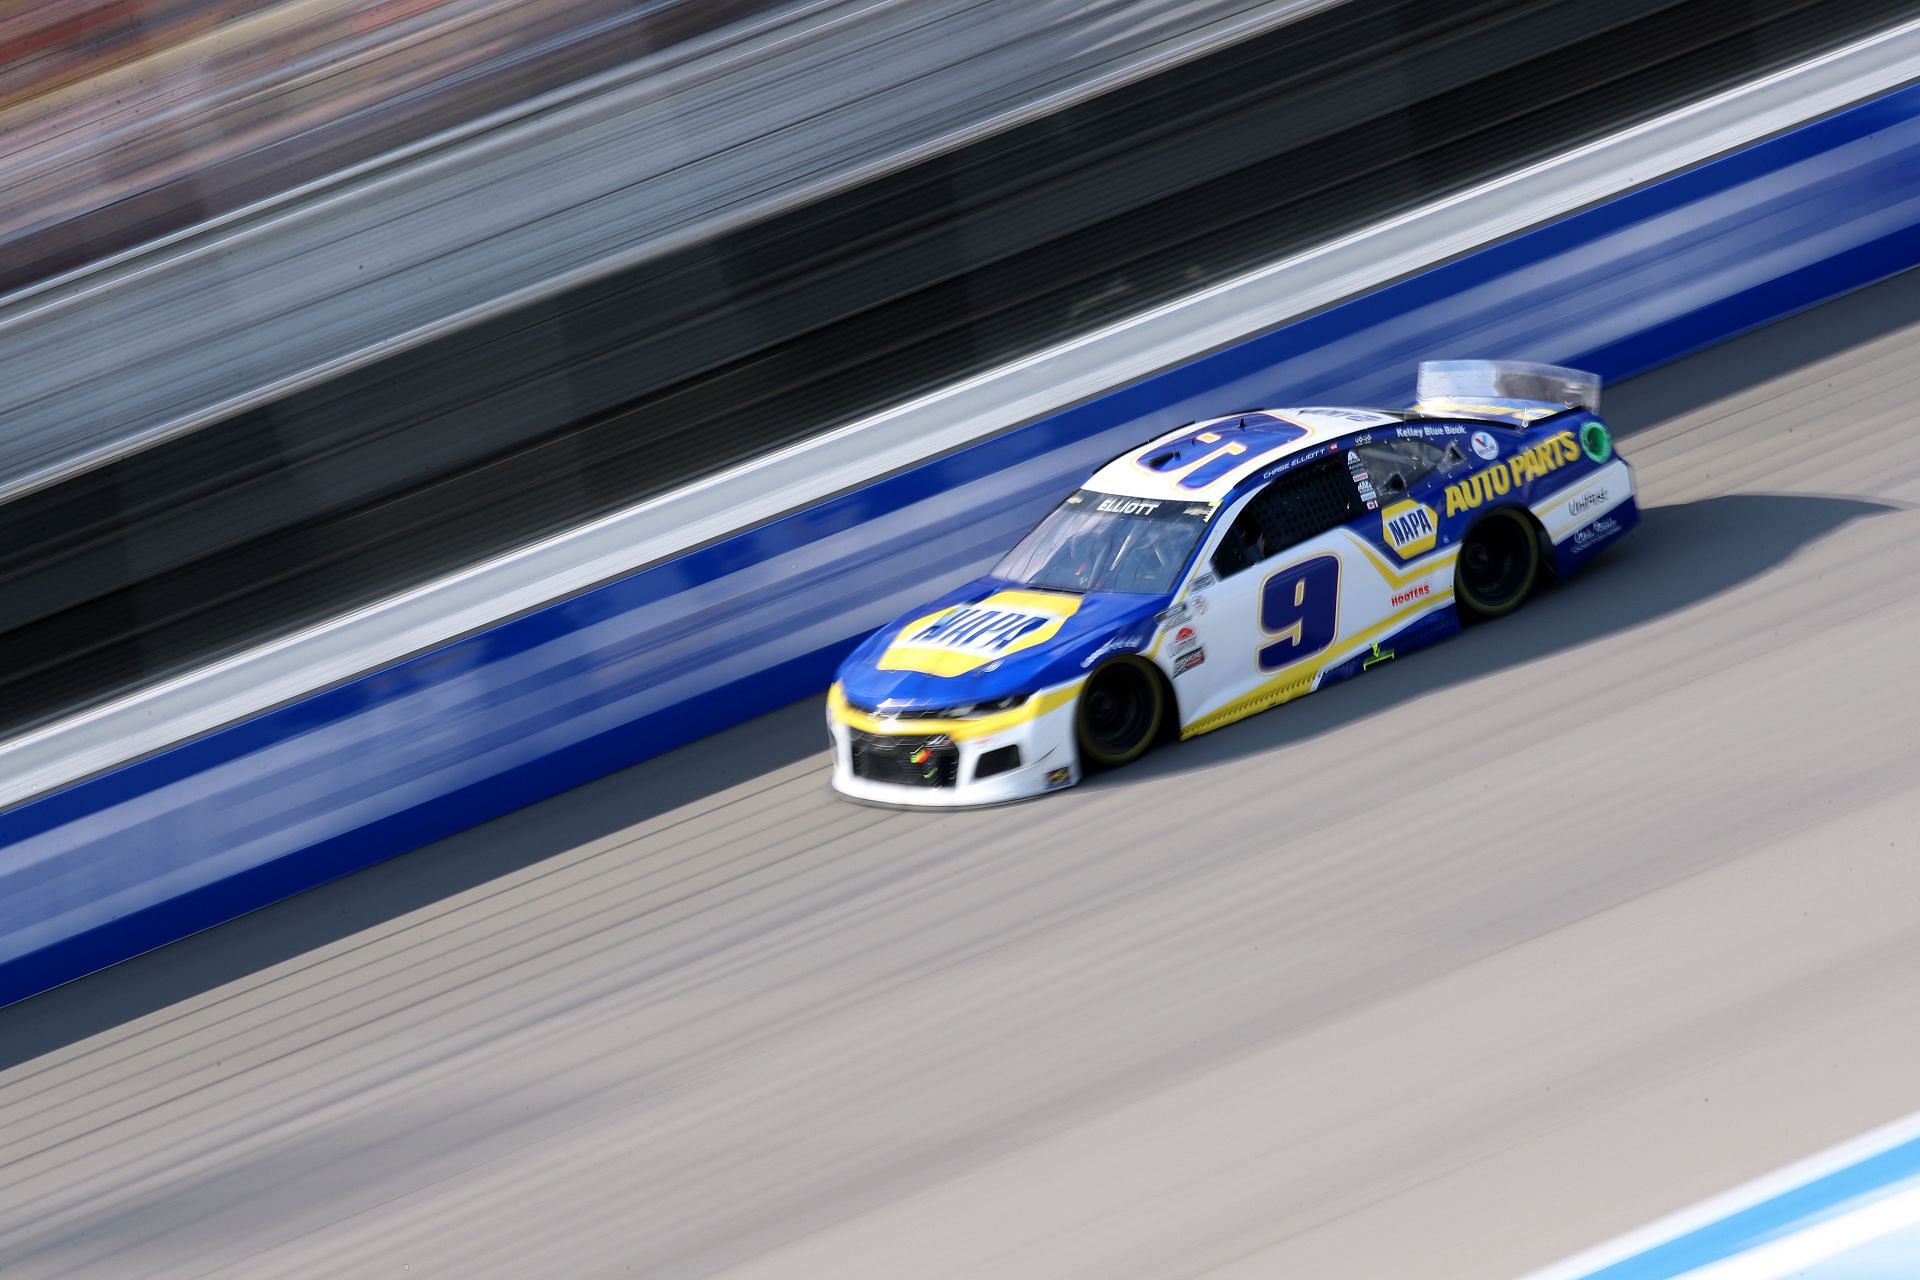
pixel 882 757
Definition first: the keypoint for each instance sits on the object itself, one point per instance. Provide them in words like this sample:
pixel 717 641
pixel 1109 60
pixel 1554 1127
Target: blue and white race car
pixel 1225 568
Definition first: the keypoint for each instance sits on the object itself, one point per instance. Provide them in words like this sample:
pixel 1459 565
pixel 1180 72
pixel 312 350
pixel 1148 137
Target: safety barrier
pixel 201 832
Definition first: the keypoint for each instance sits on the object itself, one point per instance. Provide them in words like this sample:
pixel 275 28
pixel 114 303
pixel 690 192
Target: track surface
pixel 1445 972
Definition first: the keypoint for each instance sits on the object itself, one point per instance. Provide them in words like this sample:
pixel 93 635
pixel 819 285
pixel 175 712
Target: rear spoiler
pixel 1452 381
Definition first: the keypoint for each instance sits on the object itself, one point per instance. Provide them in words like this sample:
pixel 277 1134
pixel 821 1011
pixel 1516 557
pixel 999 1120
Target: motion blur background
pixel 310 310
pixel 124 120
pixel 726 339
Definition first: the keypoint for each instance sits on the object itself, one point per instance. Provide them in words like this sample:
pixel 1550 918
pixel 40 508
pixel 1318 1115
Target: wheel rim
pixel 1119 712
pixel 1497 563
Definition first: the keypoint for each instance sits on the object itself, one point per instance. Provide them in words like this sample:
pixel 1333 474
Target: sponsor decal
pixel 1595 442
pixel 1199 604
pixel 1377 657
pixel 922 758
pixel 1372 504
pixel 1361 479
pixel 1059 777
pixel 1485 485
pixel 1114 644
pixel 990 629
pixel 1175 613
pixel 1188 661
pixel 1484 445
pixel 1409 528
pixel 1585 502
pixel 1184 639
pixel 963 638
pixel 1128 506
pixel 1204 579
pixel 1604 527
pixel 1410 594
pixel 1429 433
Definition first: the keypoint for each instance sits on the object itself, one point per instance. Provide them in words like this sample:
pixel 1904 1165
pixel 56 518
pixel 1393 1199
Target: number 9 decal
pixel 1299 611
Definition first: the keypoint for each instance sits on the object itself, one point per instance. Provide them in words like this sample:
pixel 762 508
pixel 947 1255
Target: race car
pixel 1226 567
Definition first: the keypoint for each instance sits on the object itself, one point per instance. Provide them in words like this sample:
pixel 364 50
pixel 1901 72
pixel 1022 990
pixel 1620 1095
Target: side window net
pixel 1297 506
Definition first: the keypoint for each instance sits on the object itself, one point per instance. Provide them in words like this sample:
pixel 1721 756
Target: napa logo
pixel 961 638
pixel 1409 527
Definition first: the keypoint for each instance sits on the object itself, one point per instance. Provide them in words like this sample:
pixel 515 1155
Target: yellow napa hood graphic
pixel 963 637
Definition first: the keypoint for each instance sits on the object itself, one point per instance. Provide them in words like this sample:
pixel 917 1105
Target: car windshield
pixel 1105 542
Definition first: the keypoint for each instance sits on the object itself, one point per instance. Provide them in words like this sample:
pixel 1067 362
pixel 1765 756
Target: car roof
pixel 1206 461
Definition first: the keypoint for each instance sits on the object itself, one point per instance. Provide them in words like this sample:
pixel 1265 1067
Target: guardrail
pixel 253 812
pixel 530 201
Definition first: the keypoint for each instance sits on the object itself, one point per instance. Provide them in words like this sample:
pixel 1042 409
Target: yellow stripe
pixel 1043 602
pixel 1292 681
pixel 959 730
pixel 1398 576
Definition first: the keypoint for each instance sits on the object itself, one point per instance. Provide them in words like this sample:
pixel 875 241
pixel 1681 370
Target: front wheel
pixel 1121 710
pixel 1499 564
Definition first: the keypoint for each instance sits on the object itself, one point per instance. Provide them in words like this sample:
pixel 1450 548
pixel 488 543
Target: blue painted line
pixel 262 809
pixel 1786 1214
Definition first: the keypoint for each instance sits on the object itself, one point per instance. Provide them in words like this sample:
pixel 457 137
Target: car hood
pixel 993 639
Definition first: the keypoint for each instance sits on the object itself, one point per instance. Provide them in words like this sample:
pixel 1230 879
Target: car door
pixel 1270 594
pixel 1308 572
pixel 1406 476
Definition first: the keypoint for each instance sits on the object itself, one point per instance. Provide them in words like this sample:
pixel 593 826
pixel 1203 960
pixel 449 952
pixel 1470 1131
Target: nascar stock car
pixel 1227 567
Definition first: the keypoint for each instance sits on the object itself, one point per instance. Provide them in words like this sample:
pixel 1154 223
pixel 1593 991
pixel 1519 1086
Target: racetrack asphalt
pixel 1448 971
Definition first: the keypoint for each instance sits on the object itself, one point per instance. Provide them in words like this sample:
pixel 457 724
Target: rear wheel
pixel 1499 564
pixel 1121 710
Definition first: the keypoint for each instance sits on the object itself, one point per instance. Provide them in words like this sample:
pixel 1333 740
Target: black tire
pixel 1499 564
pixel 1119 714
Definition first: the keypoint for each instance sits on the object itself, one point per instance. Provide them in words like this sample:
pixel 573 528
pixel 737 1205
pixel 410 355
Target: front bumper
pixel 950 764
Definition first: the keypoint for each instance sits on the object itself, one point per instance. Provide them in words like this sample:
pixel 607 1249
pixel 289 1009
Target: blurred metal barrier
pixel 199 832
pixel 126 120
pixel 153 343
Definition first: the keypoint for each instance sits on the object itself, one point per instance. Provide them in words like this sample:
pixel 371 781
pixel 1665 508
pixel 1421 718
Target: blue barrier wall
pixel 289 799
